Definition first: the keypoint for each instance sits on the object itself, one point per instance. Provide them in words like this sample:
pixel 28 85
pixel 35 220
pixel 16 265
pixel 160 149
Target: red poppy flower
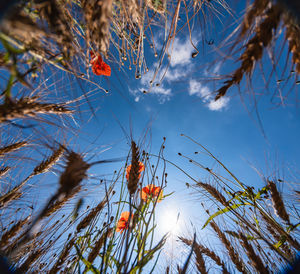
pixel 123 222
pixel 141 168
pixel 99 67
pixel 151 191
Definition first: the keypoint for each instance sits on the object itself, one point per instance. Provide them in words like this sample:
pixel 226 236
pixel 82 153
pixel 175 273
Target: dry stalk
pixel 235 258
pixel 132 9
pixel 134 171
pixel 12 195
pixel 20 26
pixel 52 12
pixel 74 173
pixel 273 224
pixel 97 14
pixel 278 203
pixel 256 261
pixel 278 238
pixel 156 6
pixel 11 248
pixel 200 263
pixel 213 256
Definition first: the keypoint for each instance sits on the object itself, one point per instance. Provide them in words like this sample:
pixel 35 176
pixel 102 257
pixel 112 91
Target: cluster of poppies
pixel 148 192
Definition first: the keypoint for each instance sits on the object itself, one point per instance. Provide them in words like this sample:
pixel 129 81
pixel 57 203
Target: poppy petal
pixel 99 67
pixel 123 221
pixel 106 69
pixel 151 191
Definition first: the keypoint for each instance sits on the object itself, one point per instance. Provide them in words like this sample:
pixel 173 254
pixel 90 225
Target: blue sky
pixel 243 136
pixel 184 103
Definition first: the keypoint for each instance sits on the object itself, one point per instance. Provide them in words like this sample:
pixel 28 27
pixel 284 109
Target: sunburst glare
pixel 170 220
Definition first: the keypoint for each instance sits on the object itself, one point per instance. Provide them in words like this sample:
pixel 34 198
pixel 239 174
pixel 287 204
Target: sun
pixel 169 220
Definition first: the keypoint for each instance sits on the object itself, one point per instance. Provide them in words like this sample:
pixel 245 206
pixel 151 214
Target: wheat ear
pixel 214 193
pixel 29 107
pixel 235 258
pixel 134 171
pixel 49 162
pixel 254 258
pixel 62 257
pixel 278 203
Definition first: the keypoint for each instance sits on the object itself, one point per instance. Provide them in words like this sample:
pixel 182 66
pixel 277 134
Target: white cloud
pixel 219 104
pixel 196 88
pixel 181 53
pixel 163 93
pixel 158 39
pixel 171 75
pixel 204 92
pixel 175 74
pixel 216 70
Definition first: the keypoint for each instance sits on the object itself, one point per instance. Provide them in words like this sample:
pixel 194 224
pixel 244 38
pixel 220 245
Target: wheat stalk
pixel 52 12
pixel 12 195
pixel 292 36
pixel 157 6
pixel 74 173
pixel 213 256
pixel 281 231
